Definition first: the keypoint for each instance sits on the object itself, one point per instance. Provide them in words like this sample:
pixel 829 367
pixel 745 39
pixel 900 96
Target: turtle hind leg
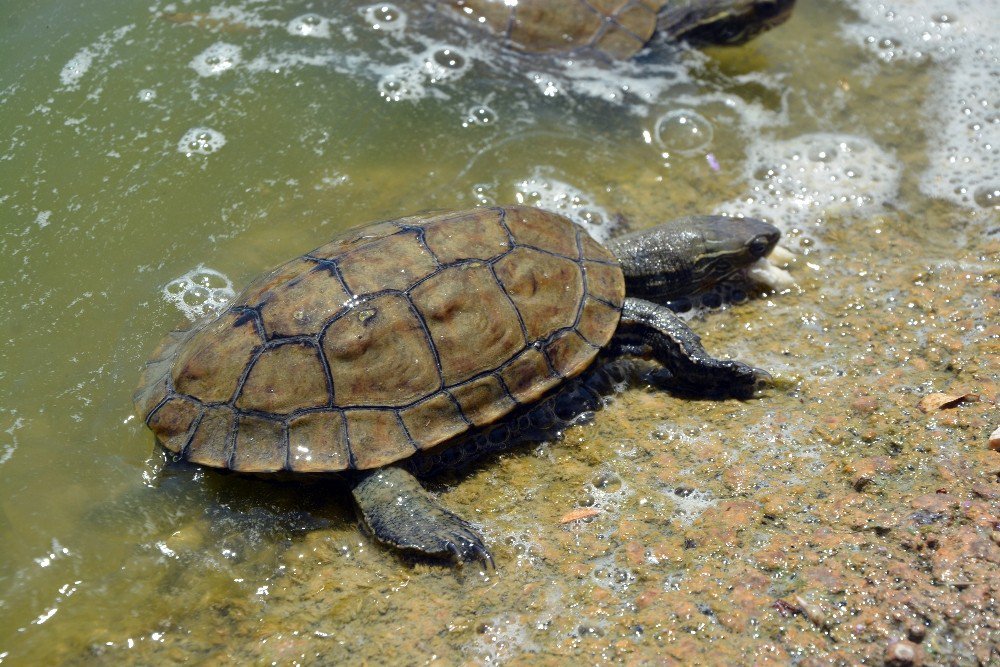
pixel 401 513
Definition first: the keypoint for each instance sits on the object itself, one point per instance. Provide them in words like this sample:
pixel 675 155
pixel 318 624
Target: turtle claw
pixel 467 547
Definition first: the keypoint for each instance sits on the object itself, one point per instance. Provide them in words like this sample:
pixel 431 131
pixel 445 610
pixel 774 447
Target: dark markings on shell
pixel 250 314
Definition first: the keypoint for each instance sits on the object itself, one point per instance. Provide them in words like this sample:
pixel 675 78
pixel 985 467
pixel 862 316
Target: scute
pixel 379 354
pixel 285 378
pixel 211 364
pixel 303 304
pixel 392 263
pixel 471 320
pixel 260 445
pixel 617 28
pixel 390 339
pixel 541 287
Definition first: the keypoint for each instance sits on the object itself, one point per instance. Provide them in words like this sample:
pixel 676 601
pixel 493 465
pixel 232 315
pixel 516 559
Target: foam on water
pixel 963 107
pixel 543 190
pixel 414 78
pixel 199 292
pixel 309 25
pixel 385 17
pixel 201 140
pixel 502 638
pixel 689 504
pixel 618 83
pixel 216 59
pixel 799 181
pixel 77 67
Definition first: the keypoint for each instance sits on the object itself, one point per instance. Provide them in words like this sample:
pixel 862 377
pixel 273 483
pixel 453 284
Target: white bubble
pixel 683 131
pixel 484 194
pixel 309 25
pixel 445 63
pixel 146 95
pixel 201 140
pixel 199 292
pixel 689 504
pixel 216 59
pixel 401 84
pixel 481 115
pixel 385 17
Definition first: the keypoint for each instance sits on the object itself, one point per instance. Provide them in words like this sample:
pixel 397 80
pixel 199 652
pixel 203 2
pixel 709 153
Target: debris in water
pixel 939 401
pixel 578 514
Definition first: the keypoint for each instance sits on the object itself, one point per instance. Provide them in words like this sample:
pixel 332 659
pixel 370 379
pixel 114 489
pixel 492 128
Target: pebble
pixel 903 653
pixel 995 440
pixel 865 405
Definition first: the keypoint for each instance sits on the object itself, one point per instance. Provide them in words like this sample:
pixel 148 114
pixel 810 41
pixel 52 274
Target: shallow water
pixel 155 157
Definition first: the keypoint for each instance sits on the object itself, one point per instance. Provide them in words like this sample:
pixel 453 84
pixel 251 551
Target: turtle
pixel 408 347
pixel 618 29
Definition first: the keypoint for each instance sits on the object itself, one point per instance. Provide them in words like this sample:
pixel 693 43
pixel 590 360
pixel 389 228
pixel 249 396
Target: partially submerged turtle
pixel 409 345
pixel 620 28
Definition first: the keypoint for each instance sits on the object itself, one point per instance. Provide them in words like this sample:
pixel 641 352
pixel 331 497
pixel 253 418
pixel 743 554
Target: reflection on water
pixel 153 158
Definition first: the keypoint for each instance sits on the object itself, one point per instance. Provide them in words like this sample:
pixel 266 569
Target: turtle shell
pixel 392 338
pixel 617 28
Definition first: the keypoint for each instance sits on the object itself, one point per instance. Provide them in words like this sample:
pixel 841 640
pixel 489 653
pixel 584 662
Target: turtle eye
pixel 758 246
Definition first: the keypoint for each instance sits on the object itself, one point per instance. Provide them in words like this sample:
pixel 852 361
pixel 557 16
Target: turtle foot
pixel 401 513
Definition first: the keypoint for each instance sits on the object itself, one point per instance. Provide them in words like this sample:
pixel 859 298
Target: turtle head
pixel 728 245
pixel 722 21
pixel 691 254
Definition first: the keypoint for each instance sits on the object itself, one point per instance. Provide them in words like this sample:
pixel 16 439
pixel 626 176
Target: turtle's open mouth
pixel 770 272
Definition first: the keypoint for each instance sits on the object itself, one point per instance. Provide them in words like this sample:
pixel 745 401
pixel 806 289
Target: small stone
pixel 635 552
pixel 865 405
pixel 985 491
pixel 916 632
pixel 995 440
pixel 646 598
pixel 903 653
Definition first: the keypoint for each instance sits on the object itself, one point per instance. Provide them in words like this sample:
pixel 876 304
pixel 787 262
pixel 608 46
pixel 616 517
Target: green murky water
pixel 152 155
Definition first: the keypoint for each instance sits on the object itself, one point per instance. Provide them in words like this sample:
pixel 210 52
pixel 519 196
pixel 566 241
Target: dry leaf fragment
pixel 938 401
pixel 579 513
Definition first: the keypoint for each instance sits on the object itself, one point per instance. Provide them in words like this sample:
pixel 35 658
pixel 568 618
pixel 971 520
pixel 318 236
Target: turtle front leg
pixel 650 330
pixel 401 513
